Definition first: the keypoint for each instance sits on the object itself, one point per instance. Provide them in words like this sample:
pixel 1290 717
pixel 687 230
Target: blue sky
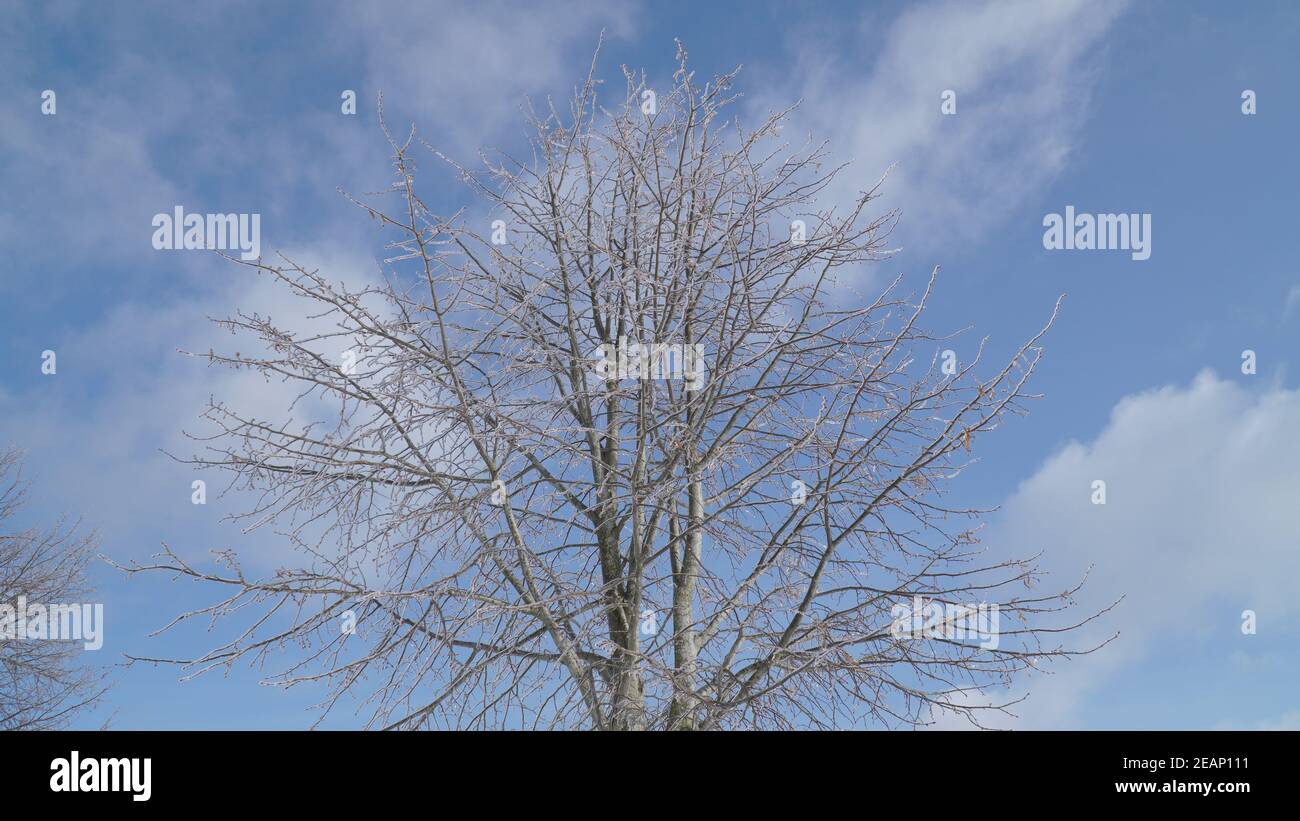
pixel 1109 107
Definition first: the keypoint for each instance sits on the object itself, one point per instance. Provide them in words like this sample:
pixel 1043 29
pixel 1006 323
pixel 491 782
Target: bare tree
pixel 536 522
pixel 43 683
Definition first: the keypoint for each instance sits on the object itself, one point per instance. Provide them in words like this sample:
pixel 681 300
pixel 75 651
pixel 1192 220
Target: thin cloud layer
pixel 1022 74
pixel 1198 526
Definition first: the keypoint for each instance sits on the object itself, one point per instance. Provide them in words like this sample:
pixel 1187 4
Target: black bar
pixel 971 770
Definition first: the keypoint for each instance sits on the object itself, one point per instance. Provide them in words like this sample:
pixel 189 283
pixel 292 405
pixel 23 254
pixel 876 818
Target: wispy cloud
pixel 1197 527
pixel 1022 73
pixel 466 69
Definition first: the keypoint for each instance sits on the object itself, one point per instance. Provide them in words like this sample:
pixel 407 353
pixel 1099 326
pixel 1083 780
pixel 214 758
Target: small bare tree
pixel 619 450
pixel 43 683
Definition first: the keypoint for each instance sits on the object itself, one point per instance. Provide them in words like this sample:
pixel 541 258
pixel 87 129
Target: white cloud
pixel 465 69
pixel 1022 72
pixel 122 392
pixel 1292 300
pixel 146 395
pixel 1289 720
pixel 1199 525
